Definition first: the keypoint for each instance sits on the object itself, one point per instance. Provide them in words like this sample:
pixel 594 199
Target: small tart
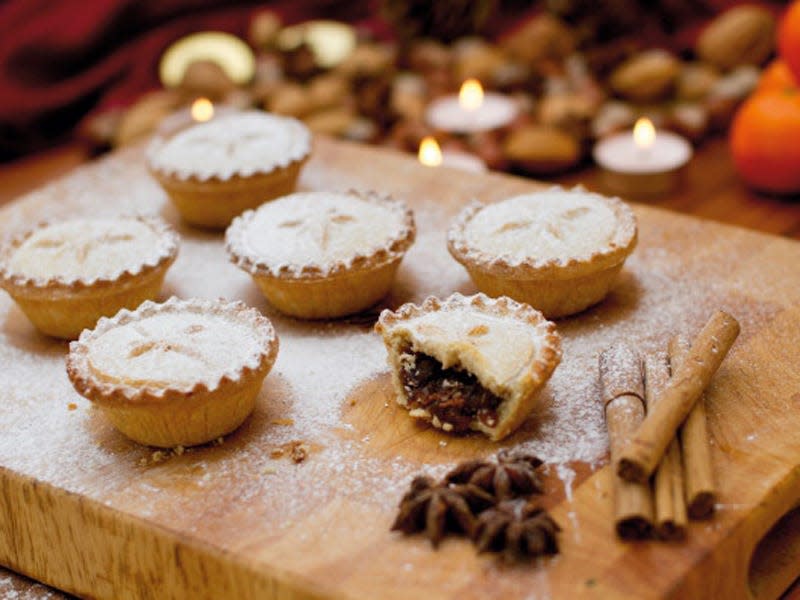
pixel 179 373
pixel 557 250
pixel 320 255
pixel 65 276
pixel 214 171
pixel 470 362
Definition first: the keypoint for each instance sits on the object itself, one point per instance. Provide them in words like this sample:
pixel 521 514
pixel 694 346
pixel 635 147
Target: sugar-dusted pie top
pixel 499 340
pixel 320 233
pixel 555 226
pixel 243 143
pixel 181 345
pixel 86 250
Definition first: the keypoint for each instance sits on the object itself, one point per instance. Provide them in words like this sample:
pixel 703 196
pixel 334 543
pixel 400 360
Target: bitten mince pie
pixel 65 276
pixel 470 362
pixel 214 171
pixel 179 373
pixel 319 255
pixel 557 250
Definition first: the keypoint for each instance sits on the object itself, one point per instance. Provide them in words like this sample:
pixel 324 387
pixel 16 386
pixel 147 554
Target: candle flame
pixel 202 110
pixel 644 133
pixel 470 97
pixel 430 154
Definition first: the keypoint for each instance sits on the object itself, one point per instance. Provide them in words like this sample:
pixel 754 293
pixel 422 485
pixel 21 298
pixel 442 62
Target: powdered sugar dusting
pixel 242 494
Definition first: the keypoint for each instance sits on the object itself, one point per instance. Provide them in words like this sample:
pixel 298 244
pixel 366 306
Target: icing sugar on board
pixel 86 510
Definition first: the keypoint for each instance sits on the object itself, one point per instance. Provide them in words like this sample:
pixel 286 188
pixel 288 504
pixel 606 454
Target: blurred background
pixel 369 70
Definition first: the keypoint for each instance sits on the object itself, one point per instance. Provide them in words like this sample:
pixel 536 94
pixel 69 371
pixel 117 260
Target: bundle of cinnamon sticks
pixel 655 413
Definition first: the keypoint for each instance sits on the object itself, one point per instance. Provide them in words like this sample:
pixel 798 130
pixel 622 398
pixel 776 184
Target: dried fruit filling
pixel 452 396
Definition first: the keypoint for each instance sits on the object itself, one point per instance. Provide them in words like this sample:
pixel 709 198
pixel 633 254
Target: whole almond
pixel 540 149
pixel 646 77
pixel 744 35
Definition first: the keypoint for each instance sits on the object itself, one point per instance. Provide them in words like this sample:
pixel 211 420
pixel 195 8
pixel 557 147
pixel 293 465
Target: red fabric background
pixel 61 59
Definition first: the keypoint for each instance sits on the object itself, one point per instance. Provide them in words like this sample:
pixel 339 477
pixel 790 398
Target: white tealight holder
pixel 642 162
pixel 471 111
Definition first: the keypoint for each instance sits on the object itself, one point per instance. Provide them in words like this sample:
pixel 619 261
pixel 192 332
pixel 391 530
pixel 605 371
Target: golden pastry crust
pixel 170 400
pixel 216 170
pixel 323 254
pixel 553 277
pixel 62 304
pixel 509 347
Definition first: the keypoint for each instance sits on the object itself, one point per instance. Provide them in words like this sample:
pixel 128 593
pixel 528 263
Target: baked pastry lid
pixel 515 391
pixel 293 147
pixel 166 252
pixel 247 259
pixel 623 243
pixel 120 394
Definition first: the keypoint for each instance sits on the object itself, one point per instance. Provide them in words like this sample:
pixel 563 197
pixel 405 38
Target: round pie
pixel 179 373
pixel 214 171
pixel 470 362
pixel 321 255
pixel 65 276
pixel 557 250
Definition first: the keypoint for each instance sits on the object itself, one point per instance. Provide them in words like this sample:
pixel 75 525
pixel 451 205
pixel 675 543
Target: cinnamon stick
pixel 670 504
pixel 698 474
pixel 623 396
pixel 641 455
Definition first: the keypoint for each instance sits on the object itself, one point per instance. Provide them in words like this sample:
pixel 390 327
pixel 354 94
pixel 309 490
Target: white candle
pixel 431 155
pixel 472 110
pixel 642 161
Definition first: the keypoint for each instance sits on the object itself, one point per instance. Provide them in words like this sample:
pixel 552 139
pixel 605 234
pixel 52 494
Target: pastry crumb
pixel 218 441
pixel 282 421
pixel 298 452
pixel 276 453
pixel 72 406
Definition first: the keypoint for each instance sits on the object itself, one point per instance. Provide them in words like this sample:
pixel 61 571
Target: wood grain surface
pixel 85 510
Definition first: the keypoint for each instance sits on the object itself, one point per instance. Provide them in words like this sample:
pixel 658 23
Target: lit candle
pixel 431 155
pixel 200 111
pixel 472 110
pixel 642 162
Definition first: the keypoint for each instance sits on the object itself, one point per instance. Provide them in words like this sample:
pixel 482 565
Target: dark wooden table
pixel 709 189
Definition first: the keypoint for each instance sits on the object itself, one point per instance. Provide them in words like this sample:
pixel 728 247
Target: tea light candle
pixel 644 162
pixel 431 155
pixel 472 110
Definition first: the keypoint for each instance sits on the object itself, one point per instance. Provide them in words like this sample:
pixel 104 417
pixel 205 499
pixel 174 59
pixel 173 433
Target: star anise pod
pixel 439 508
pixel 511 475
pixel 516 529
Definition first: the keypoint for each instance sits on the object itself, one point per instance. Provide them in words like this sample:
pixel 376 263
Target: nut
pixel 744 35
pixel 695 81
pixel 569 112
pixel 328 90
pixel 542 38
pixel 290 99
pixel 264 28
pixel 368 60
pixel 333 121
pixel 612 117
pixel 143 117
pixel 540 149
pixel 646 77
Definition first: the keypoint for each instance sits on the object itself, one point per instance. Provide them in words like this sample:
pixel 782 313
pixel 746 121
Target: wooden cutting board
pixel 86 510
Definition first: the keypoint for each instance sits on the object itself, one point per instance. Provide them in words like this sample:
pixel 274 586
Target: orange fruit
pixel 776 76
pixel 789 38
pixel 763 141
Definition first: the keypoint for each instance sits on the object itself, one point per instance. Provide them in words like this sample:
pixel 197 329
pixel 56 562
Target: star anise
pixel 439 508
pixel 509 476
pixel 516 529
